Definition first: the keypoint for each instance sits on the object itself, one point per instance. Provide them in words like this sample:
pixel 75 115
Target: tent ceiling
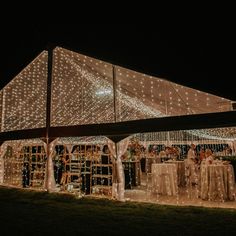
pixel 83 93
pixel 89 91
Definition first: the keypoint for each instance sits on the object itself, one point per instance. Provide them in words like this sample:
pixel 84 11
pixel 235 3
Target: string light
pixel 75 96
pixel 82 93
pixel 24 98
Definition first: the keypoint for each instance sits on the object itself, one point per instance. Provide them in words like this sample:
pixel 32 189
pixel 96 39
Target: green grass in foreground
pixel 24 212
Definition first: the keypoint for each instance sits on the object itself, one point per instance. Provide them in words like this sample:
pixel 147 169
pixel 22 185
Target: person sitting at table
pixel 209 156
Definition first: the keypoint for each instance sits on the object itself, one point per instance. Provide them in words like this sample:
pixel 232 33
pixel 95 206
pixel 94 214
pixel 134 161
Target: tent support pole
pixel 48 112
pixel 114 91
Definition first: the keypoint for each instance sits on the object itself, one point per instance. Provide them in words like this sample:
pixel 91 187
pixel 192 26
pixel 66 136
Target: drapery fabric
pixel 3 150
pixel 50 183
pixel 118 185
pixel 233 146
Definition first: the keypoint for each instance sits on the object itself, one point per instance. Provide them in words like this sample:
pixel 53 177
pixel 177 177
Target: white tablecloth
pixel 217 182
pixel 180 171
pixel 149 162
pixel 164 179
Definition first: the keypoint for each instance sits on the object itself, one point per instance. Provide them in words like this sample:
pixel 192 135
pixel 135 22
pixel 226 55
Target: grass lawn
pixel 24 212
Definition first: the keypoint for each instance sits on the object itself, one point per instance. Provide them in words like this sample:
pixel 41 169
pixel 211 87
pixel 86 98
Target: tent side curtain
pixel 23 100
pixel 89 91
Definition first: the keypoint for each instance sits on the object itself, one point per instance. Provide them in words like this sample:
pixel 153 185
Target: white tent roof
pixel 89 91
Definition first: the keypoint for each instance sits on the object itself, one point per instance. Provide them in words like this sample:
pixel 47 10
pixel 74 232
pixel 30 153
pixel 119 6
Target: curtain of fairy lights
pixel 215 139
pixel 24 163
pixel 223 134
pixel 97 140
pixel 24 98
pixel 135 96
pixel 82 90
pixel 1 110
pixel 140 96
pixel 82 93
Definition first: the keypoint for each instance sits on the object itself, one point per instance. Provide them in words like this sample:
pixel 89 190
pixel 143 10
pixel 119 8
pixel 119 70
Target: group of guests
pixel 193 162
pixel 204 155
pixel 137 150
pixel 134 150
pixel 170 152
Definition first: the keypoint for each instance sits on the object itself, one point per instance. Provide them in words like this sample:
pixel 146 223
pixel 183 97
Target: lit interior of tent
pixel 148 166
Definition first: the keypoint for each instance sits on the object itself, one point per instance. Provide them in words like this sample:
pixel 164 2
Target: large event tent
pixel 65 98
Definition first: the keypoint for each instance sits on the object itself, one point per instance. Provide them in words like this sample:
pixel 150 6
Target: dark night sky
pixel 198 56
